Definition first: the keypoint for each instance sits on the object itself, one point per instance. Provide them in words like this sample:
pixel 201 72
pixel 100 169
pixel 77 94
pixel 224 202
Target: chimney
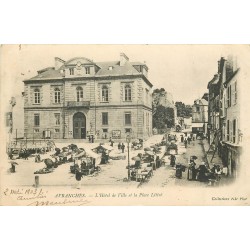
pixel 123 59
pixel 58 63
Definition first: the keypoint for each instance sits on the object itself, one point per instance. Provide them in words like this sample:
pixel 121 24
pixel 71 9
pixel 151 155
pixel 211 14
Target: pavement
pixel 112 174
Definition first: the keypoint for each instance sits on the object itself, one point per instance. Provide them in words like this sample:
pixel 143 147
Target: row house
pixel 225 114
pixel 199 116
pixel 79 97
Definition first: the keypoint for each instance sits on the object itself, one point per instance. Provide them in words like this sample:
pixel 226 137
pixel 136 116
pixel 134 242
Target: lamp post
pixel 128 141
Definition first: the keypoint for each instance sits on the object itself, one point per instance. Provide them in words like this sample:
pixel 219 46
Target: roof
pixel 117 70
pixel 214 81
pixel 75 60
pixel 201 102
pixel 50 74
pixel 103 70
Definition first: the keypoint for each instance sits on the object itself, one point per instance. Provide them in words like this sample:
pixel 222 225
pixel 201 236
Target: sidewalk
pixel 225 180
pixel 216 159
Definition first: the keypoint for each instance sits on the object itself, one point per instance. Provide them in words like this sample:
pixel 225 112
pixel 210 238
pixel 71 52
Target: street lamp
pixel 128 141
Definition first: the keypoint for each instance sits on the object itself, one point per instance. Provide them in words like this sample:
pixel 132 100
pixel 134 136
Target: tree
pixel 163 117
pixel 183 110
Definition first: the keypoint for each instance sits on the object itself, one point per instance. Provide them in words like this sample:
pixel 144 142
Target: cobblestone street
pixel 112 174
pixel 165 176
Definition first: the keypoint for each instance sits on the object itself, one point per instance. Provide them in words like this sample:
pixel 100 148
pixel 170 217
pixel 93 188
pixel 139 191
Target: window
pixel 147 93
pixel 36 119
pixel 127 130
pixel 105 94
pixel 105 130
pixel 37 96
pixel 36 130
pixel 128 93
pixel 71 71
pixel 234 131
pixel 229 96
pixel 228 130
pixel 79 94
pixel 127 118
pixel 105 118
pixel 198 109
pixel 87 69
pixel 57 130
pixel 57 118
pixel 235 92
pixel 57 95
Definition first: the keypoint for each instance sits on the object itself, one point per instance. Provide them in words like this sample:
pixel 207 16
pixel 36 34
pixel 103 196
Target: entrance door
pixel 79 126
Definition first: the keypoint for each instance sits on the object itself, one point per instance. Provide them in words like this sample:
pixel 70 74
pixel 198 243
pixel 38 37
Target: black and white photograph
pixel 93 124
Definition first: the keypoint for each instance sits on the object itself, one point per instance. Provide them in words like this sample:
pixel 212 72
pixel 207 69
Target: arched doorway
pixel 79 126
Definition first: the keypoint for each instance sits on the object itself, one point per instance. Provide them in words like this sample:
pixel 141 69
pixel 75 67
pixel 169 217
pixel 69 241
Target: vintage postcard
pixel 90 125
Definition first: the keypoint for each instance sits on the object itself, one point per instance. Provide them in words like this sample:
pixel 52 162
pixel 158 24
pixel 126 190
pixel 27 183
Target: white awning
pixel 197 125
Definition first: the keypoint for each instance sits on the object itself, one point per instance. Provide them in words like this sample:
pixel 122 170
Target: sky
pixel 183 70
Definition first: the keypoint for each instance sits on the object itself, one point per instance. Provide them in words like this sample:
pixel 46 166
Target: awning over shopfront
pixel 197 125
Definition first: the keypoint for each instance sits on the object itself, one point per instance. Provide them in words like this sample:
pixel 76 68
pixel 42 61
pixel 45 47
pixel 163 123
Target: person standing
pixel 13 168
pixel 122 147
pixel 182 139
pixel 194 137
pixel 119 146
pixel 202 172
pixel 172 160
pixel 179 170
pixel 78 176
pixel 158 161
pixel 185 142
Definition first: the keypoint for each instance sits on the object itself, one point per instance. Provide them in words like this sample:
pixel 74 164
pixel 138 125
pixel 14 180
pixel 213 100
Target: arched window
pixel 79 94
pixel 105 94
pixel 128 93
pixel 57 95
pixel 37 96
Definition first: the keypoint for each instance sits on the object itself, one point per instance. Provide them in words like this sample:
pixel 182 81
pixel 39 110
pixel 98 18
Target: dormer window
pixel 111 67
pixel 71 71
pixel 87 69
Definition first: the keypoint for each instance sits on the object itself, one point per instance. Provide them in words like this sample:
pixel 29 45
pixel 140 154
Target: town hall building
pixel 79 97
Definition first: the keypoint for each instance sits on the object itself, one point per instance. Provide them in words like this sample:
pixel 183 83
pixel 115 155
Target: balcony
pixel 82 104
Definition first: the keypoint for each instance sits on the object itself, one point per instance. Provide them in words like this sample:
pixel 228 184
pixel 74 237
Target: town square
pixel 84 123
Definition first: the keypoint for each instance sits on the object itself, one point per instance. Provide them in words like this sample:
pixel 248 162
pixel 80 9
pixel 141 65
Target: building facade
pixel 200 116
pixel 225 114
pixel 79 97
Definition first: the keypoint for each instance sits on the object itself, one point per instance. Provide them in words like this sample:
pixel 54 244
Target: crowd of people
pixel 202 172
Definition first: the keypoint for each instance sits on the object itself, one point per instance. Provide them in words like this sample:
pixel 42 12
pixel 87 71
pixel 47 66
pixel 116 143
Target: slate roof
pixel 50 74
pixel 117 70
pixel 128 69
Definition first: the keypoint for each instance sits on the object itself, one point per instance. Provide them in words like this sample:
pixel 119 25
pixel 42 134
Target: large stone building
pixel 79 97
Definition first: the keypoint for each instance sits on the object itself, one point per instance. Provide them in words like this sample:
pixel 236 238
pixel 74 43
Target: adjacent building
pixel 225 114
pixel 79 97
pixel 200 116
